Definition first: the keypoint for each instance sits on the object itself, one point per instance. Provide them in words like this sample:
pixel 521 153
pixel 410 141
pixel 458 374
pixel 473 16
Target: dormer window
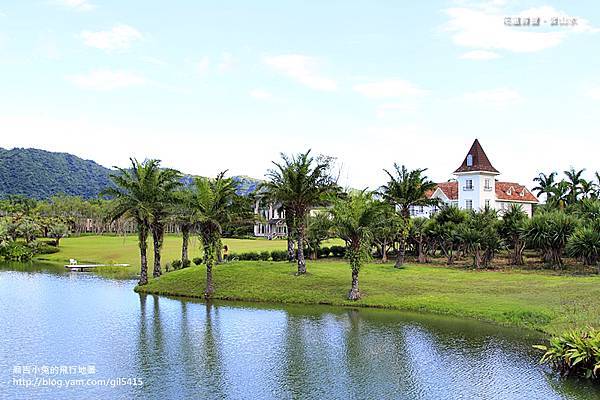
pixel 469 160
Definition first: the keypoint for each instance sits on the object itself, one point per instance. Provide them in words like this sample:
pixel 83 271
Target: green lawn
pixel 538 300
pixel 124 250
pixel 542 300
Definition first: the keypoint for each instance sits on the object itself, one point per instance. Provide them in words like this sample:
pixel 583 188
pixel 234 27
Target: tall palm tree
pixel 213 198
pixel 406 189
pixel 300 183
pixel 185 216
pixel 587 188
pixel 574 179
pixel 166 181
pixel 353 218
pixel 559 197
pixel 134 193
pixel 545 183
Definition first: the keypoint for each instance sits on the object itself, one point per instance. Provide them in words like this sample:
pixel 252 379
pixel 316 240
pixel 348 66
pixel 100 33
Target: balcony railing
pixel 467 187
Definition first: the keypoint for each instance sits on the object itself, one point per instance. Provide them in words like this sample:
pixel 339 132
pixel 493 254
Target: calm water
pixel 191 350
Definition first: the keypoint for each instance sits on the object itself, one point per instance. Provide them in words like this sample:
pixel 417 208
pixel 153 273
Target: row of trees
pixel 569 190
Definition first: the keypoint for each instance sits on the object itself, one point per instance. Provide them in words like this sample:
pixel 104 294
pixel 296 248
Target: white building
pixel 272 221
pixel 476 187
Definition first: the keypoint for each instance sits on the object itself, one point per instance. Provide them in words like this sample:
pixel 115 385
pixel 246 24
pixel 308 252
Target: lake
pixel 75 335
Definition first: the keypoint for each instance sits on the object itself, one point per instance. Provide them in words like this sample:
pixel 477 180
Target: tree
pixel 574 180
pixel 213 198
pixel 545 184
pixel 184 215
pixel 479 233
pixel 353 218
pixel 58 230
pixel 406 189
pixel 318 229
pixel 301 183
pixel 585 244
pixel 511 229
pixel 134 196
pixel 549 232
pixel 420 233
pixel 166 180
pixel 385 228
pixel 446 230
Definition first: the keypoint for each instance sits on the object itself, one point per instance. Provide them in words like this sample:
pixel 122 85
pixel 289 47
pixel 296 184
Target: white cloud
pixel 261 94
pixel 79 5
pixel 390 108
pixel 302 69
pixel 495 96
pixel 106 80
pixel 119 37
pixel 389 88
pixel 479 55
pixel 483 28
pixel 594 93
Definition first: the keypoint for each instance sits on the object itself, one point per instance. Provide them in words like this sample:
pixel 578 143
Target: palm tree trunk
pixel 422 258
pixel 301 260
pixel 185 233
pixel 290 248
pixel 209 251
pixel 157 240
pixel 384 256
pixel 401 251
pixel 143 243
pixel 354 293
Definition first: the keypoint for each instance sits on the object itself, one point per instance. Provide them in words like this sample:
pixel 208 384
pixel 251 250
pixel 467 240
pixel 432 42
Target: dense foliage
pixel 575 352
pixel 40 174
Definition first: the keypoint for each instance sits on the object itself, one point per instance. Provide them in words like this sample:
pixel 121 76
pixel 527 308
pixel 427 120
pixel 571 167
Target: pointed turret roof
pixel 476 160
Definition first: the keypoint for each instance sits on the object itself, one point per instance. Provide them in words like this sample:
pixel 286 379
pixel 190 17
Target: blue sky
pixel 206 86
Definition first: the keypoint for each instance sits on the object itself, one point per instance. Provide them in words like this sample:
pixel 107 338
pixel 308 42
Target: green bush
pixel 279 255
pixel 198 260
pixel 338 251
pixel 16 251
pixel 185 264
pixel 324 252
pixel 46 249
pixel 575 352
pixel 168 267
pixel 176 264
pixel 264 256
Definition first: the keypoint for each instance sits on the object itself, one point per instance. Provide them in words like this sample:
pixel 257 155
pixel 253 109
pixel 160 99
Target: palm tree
pixel 353 218
pixel 185 216
pixel 134 196
pixel 213 198
pixel 300 183
pixel 559 197
pixel 512 229
pixel 588 188
pixel 545 184
pixel 406 189
pixel 166 180
pixel 574 180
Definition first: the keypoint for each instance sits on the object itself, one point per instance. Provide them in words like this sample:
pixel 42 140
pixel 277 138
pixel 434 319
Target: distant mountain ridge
pixel 40 174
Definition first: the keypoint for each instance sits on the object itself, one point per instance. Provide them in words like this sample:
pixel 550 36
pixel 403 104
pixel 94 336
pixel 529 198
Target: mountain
pixel 40 174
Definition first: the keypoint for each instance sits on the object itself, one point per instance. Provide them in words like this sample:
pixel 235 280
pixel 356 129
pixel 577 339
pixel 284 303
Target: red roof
pixel 511 191
pixel 478 160
pixel 450 189
pixel 505 191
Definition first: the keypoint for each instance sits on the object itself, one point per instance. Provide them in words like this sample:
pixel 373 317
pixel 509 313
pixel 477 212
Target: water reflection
pixel 186 349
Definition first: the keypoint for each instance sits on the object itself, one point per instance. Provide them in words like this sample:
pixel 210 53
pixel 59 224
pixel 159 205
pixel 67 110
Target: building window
pixel 488 184
pixel 469 184
pixel 469 204
pixel 470 160
pixel 487 203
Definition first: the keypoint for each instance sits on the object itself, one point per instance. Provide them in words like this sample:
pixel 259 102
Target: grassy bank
pixel 539 300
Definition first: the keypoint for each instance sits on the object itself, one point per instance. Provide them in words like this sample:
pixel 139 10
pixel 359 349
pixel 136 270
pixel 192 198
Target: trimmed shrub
pixel 185 264
pixel 323 252
pixel 264 256
pixel 279 255
pixel 338 251
pixel 15 251
pixel 176 264
pixel 198 260
pixel 46 249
